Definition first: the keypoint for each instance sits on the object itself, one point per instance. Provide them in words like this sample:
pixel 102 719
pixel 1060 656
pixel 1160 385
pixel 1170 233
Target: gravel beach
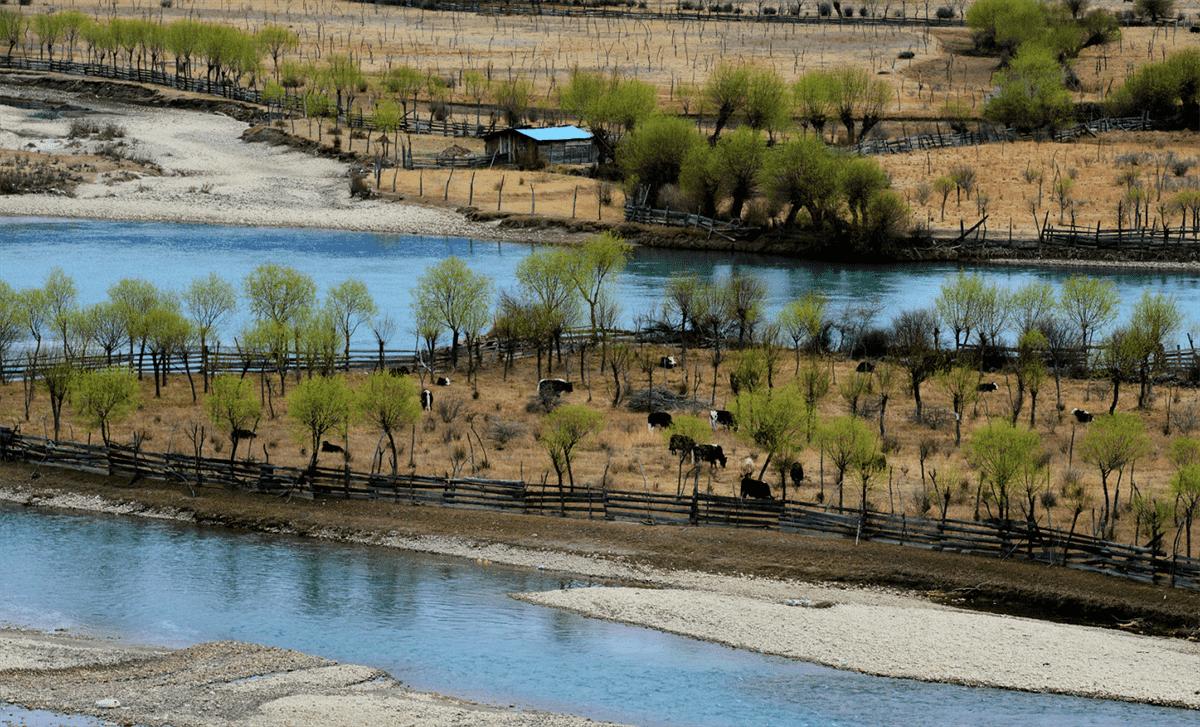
pixel 209 175
pixel 225 683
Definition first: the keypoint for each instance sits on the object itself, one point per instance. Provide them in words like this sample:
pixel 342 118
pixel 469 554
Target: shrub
pixel 1032 94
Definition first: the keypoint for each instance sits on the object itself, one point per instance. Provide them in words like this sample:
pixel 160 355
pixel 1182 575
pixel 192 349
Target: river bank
pixel 765 592
pixel 221 683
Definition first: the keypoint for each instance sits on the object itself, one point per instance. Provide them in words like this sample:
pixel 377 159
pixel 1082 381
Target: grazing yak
pixel 327 446
pixel 667 362
pixel 721 418
pixel 240 434
pixel 756 489
pixel 710 453
pixel 442 381
pixel 988 387
pixel 796 472
pixel 1082 415
pixel 554 387
pixel 426 400
pixel 865 367
pixel 658 419
pixel 681 444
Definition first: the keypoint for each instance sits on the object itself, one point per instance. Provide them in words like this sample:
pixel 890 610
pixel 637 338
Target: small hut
pixel 539 147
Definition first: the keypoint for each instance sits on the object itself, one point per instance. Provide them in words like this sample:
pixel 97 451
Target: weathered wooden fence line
pixel 1013 539
pixel 1141 239
pixel 675 218
pixel 990 135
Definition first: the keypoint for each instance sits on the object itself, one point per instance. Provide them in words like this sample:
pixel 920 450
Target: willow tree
pixel 774 421
pixel 563 431
pixel 209 301
pixel 725 91
pixel 593 268
pixel 1002 452
pixel 351 305
pixel 320 406
pixel 450 294
pixel 233 408
pixel 277 41
pixel 1112 443
pixel 104 397
pixel 389 403
pixel 610 106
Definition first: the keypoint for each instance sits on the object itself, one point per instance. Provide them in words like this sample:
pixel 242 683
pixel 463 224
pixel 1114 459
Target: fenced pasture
pixel 1017 540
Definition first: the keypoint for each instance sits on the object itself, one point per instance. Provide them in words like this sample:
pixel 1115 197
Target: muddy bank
pixel 222 683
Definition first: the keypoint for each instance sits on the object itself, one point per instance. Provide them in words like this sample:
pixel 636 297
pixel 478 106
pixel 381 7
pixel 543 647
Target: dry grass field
pixel 625 454
pixel 675 56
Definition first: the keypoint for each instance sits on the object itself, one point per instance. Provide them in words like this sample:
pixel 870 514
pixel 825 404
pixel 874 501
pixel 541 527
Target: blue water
pixel 98 253
pixel 448 625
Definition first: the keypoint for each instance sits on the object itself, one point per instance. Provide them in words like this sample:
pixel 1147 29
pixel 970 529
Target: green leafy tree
pixel 813 96
pixel 277 41
pixel 1032 93
pixel 858 98
pixel 1111 444
pixel 593 268
pixel 512 98
pixel 803 175
pixel 1156 320
pixel 726 91
pixel 652 155
pixel 451 293
pixel 1091 303
pixel 104 397
pixel 739 161
pixel 767 103
pixel 319 406
pixel 233 407
pixel 849 444
pixel 700 179
pixel 693 429
pixel 351 305
pixel 389 403
pixel 774 421
pixel 610 106
pixel 1002 452
pixel 209 301
pixel 806 322
pixel 563 431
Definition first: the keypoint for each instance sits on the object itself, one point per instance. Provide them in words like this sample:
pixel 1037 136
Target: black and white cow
pixel 987 387
pixel 667 362
pixel 1082 415
pixel 756 489
pixel 426 400
pixel 554 387
pixel 658 419
pixel 442 381
pixel 710 453
pixel 721 418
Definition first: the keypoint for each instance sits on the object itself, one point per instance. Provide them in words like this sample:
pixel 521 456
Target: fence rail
pixel 1144 239
pixel 989 135
pixel 1001 539
pixel 674 218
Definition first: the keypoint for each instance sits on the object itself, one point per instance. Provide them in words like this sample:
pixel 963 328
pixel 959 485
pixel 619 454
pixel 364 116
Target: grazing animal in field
pixel 735 383
pixel 986 388
pixel 240 434
pixel 1082 415
pixel 796 472
pixel 865 367
pixel 658 419
pixel 426 400
pixel 711 453
pixel 442 381
pixel 681 444
pixel 756 489
pixel 721 418
pixel 547 387
pixel 667 362
pixel 327 446
pixel 399 371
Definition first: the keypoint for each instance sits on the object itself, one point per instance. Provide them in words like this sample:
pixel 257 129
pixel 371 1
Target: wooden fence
pixel 674 218
pixel 989 135
pixel 1143 239
pixel 1000 539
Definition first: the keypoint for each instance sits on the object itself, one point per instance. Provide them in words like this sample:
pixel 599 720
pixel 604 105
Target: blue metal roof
pixel 556 133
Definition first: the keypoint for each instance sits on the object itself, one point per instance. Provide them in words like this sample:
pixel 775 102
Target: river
pixel 448 625
pixel 98 253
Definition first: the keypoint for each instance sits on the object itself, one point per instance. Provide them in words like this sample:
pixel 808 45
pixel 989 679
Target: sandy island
pixel 872 630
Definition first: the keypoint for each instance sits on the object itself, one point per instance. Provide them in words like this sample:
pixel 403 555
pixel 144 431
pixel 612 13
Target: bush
pixel 1168 89
pixel 1032 94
